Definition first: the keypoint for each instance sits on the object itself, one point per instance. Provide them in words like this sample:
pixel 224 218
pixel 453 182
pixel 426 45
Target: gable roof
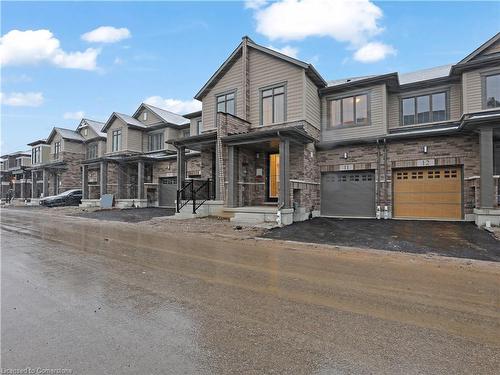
pixel 480 49
pixel 310 70
pixel 95 125
pixel 424 74
pixel 65 134
pixel 128 120
pixel 166 116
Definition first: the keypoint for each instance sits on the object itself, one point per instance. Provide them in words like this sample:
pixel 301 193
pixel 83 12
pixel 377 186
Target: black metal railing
pixel 195 191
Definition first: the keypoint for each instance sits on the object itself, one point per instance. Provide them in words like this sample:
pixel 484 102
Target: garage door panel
pixel 348 194
pixel 434 192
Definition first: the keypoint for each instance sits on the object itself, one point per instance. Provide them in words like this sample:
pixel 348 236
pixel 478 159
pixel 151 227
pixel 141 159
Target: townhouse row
pixel 275 140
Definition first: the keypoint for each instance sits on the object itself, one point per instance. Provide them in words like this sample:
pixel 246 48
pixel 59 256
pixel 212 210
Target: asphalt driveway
pixel 454 239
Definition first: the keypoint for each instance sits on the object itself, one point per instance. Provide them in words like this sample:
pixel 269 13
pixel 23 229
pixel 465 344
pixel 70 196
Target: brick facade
pixel 458 150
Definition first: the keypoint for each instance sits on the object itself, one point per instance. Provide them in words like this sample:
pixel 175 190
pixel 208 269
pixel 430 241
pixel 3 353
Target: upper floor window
pixel 185 133
pixel 144 116
pixel 36 154
pixel 226 103
pixel 492 91
pixel 424 108
pixel 57 149
pixel 85 132
pixel 352 110
pixel 273 105
pixel 155 142
pixel 116 140
pixel 92 151
pixel 199 126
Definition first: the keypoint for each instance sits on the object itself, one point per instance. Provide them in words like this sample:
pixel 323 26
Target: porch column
pixel 54 180
pixel 487 196
pixel 140 179
pixel 45 186
pixel 181 166
pixel 23 184
pixel 284 198
pixel 85 181
pixel 103 178
pixel 121 181
pixel 33 184
pixel 232 167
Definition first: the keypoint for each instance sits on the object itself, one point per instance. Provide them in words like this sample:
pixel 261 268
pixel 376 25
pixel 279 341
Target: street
pixel 102 297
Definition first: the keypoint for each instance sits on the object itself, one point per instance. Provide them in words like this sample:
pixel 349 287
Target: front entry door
pixel 273 182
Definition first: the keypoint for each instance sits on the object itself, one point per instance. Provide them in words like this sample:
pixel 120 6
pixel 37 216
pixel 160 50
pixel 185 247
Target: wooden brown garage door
pixel 432 192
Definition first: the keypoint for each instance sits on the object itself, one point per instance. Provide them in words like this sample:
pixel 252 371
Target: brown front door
pixel 428 193
pixel 273 187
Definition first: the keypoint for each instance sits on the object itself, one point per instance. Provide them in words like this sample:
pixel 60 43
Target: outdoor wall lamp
pixel 425 149
pixel 346 155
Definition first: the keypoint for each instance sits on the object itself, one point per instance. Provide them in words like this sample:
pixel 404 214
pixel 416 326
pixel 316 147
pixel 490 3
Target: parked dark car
pixel 68 198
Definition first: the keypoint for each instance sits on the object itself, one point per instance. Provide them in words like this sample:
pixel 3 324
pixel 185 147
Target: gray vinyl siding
pixel 134 140
pixel 117 124
pixel 453 106
pixel 74 147
pixel 193 126
pixel 171 133
pixel 494 48
pixel 46 151
pixel 312 103
pixel 377 109
pixel 266 70
pixel 473 88
pixel 152 118
pixel 101 148
pixel 231 80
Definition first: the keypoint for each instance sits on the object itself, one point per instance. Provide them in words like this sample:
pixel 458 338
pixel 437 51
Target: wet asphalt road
pixel 109 298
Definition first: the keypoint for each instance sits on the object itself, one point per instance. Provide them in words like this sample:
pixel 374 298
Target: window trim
pixel 415 95
pixel 162 143
pixel 345 96
pixel 485 75
pixel 198 121
pixel 119 146
pixel 89 147
pixel 225 93
pixel 285 93
pixel 57 149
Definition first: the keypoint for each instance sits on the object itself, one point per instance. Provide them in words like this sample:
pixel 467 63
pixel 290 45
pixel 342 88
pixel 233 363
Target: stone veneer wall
pixel 461 150
pixel 71 177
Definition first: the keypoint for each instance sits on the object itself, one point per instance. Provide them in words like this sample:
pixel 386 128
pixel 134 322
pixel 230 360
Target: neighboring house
pixel 14 178
pixel 273 134
pixel 56 160
pixel 137 165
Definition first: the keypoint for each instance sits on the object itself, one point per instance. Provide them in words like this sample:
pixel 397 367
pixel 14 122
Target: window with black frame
pixel 492 91
pixel 351 110
pixel 92 151
pixel 424 109
pixel 116 140
pixel 226 103
pixel 273 105
pixel 155 142
pixel 57 149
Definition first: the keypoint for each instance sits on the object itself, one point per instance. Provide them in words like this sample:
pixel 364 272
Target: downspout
pixel 378 180
pixel 386 184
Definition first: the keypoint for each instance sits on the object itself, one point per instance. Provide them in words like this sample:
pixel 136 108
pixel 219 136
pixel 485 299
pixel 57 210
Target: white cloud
pixel 374 51
pixel 255 4
pixel 22 99
pixel 118 61
pixel 174 105
pixel 107 34
pixel 36 46
pixel 78 115
pixel 287 50
pixel 354 22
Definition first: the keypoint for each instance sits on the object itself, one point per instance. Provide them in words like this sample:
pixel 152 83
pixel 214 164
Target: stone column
pixel 85 181
pixel 232 180
pixel 140 179
pixel 55 188
pixel 487 183
pixel 45 186
pixel 181 166
pixel 33 184
pixel 121 180
pixel 284 198
pixel 103 178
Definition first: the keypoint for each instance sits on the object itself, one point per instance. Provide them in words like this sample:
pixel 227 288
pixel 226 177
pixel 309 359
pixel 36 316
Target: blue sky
pixel 170 49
